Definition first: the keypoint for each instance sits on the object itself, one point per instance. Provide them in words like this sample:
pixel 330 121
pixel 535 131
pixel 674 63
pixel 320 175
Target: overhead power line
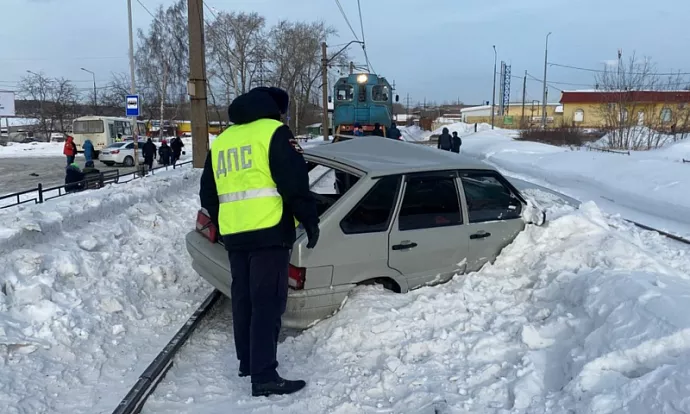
pixel 627 72
pixel 364 42
pixel 342 11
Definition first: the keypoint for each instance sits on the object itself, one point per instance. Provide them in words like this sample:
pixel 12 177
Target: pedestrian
pixel 74 178
pixel 378 131
pixel 444 141
pixel 457 142
pixel 394 132
pixel 257 167
pixel 149 153
pixel 70 150
pixel 87 146
pixel 164 153
pixel 357 130
pixel 176 145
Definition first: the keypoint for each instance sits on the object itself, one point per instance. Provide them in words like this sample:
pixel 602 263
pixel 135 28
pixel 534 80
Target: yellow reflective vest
pixel 248 196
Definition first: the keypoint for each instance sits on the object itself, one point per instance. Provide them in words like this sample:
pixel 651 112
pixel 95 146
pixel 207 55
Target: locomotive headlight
pixel 363 78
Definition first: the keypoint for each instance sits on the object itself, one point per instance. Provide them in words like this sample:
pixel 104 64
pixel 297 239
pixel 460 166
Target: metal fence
pixel 40 194
pixel 589 148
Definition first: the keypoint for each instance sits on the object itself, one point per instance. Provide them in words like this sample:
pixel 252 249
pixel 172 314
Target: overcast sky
pixel 434 49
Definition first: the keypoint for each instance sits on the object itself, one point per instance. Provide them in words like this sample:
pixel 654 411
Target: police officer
pixel 255 186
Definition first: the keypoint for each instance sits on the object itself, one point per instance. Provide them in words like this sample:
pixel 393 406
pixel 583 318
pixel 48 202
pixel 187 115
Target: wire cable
pixel 364 47
pixel 342 11
pixel 627 72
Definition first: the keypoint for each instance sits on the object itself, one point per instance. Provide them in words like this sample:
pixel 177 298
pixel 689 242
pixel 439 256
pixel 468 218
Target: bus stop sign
pixel 132 105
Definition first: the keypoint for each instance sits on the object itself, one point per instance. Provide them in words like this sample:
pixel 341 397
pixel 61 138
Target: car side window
pixel 130 146
pixel 429 202
pixel 373 213
pixel 488 199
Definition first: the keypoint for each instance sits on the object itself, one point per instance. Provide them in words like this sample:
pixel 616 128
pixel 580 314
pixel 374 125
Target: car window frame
pixel 500 178
pixel 393 211
pixel 451 174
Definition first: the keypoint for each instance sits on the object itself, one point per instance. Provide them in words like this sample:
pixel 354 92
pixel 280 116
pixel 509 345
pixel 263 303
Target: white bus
pixel 103 131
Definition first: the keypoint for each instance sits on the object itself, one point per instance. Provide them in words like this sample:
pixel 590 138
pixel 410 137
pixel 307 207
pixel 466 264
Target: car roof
pixel 385 156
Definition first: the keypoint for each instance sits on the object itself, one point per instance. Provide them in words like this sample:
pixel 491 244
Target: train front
pixel 362 99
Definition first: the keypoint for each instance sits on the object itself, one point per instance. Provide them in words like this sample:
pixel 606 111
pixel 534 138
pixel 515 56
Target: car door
pixel 428 242
pixel 494 215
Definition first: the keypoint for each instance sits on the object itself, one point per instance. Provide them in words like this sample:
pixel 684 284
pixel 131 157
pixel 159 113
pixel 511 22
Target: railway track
pixel 135 399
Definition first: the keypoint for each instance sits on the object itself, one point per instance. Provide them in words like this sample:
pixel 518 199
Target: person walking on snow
pixel 457 142
pixel 149 153
pixel 164 153
pixel 394 132
pixel 88 150
pixel 378 131
pixel 70 150
pixel 445 141
pixel 257 203
pixel 176 146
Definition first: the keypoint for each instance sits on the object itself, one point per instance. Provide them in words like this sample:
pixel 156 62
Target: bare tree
pixel 162 57
pixel 235 43
pixel 632 122
pixel 53 101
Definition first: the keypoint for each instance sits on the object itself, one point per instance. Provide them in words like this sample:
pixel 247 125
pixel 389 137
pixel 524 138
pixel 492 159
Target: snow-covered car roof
pixel 384 156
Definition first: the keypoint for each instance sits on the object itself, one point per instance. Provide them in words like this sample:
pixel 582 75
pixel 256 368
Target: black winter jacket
pixel 288 169
pixel 445 141
pixel 394 133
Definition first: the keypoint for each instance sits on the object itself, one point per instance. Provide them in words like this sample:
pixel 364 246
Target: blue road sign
pixel 132 105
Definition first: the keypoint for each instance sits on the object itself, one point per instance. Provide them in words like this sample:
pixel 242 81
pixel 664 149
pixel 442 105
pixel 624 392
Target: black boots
pixel 279 387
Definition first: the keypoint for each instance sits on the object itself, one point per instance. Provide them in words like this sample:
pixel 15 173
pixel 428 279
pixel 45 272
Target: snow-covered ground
pixel 33 150
pixel 586 314
pixel 651 187
pixel 92 286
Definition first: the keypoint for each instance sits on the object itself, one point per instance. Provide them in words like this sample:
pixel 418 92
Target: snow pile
pixel 583 315
pixel 33 149
pixel 635 138
pixel 647 186
pixel 92 286
pixel 464 129
pixel 414 133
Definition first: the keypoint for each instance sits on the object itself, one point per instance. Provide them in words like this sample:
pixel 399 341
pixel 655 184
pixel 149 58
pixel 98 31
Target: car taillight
pixel 205 226
pixel 115 151
pixel 296 277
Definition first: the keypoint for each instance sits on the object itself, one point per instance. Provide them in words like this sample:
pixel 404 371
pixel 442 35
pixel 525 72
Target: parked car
pixel 393 213
pixel 120 153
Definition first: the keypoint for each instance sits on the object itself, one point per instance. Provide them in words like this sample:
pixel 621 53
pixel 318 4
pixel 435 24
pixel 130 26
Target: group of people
pixel 167 154
pixel 447 142
pixel 392 133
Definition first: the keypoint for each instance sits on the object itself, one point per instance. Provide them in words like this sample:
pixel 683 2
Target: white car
pixel 120 153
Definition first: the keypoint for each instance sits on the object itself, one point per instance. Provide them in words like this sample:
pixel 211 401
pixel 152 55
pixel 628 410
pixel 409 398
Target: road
pixel 17 174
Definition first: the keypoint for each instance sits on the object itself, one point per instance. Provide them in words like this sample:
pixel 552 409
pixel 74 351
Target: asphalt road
pixel 17 174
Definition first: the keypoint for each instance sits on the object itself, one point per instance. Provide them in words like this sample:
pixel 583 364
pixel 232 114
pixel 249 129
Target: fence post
pixel 40 193
pixel 100 180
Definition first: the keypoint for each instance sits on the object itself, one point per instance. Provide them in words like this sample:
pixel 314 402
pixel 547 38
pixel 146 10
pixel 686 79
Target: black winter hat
pixel 281 97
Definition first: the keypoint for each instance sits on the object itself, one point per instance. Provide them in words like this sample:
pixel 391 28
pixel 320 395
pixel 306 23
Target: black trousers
pixel 259 296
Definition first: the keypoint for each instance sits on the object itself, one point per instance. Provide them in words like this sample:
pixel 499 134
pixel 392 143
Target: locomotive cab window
pixel 344 93
pixel 380 93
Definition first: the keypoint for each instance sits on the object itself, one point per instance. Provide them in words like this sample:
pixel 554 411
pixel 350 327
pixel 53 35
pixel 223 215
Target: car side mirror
pixel 397 98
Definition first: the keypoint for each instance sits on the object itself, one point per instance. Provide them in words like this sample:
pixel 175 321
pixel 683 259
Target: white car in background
pixel 120 153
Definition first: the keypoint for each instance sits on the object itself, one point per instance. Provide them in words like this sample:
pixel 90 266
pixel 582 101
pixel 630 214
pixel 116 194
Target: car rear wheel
pixel 388 284
pixel 108 163
pixel 129 161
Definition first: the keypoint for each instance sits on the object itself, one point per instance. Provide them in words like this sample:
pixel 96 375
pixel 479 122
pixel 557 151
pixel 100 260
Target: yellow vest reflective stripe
pixel 248 196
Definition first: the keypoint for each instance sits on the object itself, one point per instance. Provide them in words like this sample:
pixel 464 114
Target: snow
pixel 32 150
pixel 93 286
pixel 414 133
pixel 650 187
pixel 586 314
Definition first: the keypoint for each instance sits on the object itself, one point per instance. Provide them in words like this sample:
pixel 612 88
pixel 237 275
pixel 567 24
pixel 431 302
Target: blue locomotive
pixel 362 98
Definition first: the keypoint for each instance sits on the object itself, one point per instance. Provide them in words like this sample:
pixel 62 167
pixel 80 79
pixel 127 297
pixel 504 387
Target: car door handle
pixel 404 245
pixel 480 235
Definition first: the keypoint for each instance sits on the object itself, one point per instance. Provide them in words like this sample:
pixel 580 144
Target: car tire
pixel 129 161
pixel 108 163
pixel 388 284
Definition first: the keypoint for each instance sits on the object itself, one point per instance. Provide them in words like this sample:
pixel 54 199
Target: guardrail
pixel 39 194
pixel 589 148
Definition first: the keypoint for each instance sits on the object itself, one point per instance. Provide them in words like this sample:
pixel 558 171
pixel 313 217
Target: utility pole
pixel 524 93
pixel 352 68
pixel 493 94
pixel 132 87
pixel 95 96
pixel 324 90
pixel 543 109
pixel 196 86
pixel 407 112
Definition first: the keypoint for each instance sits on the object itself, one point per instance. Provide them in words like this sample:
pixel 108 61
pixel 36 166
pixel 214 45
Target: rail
pixel 41 194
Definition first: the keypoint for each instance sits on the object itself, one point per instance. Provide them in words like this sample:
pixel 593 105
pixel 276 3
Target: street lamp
pixel 95 96
pixel 543 108
pixel 493 94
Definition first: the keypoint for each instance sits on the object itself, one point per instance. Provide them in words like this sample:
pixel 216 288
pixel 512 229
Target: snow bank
pixel 464 129
pixel 650 186
pixel 93 285
pixel 32 150
pixel 414 133
pixel 586 314
pixel 635 138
